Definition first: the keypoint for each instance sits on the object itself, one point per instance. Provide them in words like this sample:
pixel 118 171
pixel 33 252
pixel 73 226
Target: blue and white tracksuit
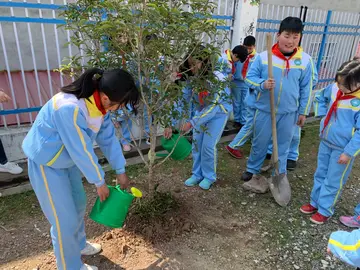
pixel 59 146
pixel 208 125
pixel 341 135
pixel 295 142
pixel 346 246
pixel 239 91
pixel 292 97
pixel 246 131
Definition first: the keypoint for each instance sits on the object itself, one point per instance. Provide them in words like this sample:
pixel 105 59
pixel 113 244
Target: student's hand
pixel 344 159
pixel 123 180
pixel 186 127
pixel 231 77
pixel 168 133
pixel 116 124
pixel 103 192
pixel 4 97
pixel 328 250
pixel 269 84
pixel 301 120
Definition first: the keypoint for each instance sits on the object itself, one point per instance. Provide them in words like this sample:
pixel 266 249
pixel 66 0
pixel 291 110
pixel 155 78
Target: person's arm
pixel 110 145
pixel 254 77
pixel 346 246
pixel 71 125
pixel 306 87
pixel 352 149
pixel 321 101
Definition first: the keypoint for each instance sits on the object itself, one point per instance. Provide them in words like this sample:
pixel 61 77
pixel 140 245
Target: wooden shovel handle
pixel 275 155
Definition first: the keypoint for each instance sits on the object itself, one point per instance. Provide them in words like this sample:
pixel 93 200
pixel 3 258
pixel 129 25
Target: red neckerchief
pixel 231 62
pixel 278 53
pixel 246 65
pixel 202 95
pixel 334 106
pixel 98 104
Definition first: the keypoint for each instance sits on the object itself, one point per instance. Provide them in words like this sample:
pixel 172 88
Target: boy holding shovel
pixel 292 85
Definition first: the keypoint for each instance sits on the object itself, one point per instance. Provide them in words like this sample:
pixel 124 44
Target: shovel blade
pixel 280 189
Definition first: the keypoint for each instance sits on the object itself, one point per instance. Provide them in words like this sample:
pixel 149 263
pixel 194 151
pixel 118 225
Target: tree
pixel 151 39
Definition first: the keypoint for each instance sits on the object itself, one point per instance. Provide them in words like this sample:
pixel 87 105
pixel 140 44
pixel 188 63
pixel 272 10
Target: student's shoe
pixel 257 184
pixel 349 222
pixel 148 142
pixel 192 181
pixel 291 165
pixel 246 176
pixel 88 267
pixel 205 184
pixel 91 249
pixel 226 128
pixel 237 125
pixel 127 148
pixel 234 152
pixel 308 209
pixel 10 167
pixel 268 156
pixel 318 218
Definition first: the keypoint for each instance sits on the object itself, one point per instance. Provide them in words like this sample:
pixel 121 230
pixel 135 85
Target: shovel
pixel 278 183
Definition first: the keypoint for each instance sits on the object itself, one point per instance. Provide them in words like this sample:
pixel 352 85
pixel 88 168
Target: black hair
pixel 199 54
pixel 117 84
pixel 292 25
pixel 249 41
pixel 356 58
pixel 350 73
pixel 240 52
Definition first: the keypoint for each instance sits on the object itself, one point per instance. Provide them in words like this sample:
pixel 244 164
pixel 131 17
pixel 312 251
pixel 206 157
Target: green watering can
pixel 113 211
pixel 182 149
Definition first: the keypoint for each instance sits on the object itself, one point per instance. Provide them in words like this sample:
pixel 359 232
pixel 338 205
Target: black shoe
pixel 246 176
pixel 237 125
pixel 268 156
pixel 291 165
pixel 226 128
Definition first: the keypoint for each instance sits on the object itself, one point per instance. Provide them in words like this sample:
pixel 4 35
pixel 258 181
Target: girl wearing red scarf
pixel 340 140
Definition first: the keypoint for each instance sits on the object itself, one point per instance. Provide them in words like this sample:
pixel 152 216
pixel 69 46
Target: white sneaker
pixel 88 267
pixel 10 167
pixel 91 249
pixel 148 141
pixel 126 148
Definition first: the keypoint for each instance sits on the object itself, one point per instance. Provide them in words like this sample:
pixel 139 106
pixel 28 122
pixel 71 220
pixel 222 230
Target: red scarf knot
pixel 339 96
pixel 278 53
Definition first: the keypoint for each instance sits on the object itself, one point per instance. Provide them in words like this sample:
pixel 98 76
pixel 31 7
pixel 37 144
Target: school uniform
pixel 339 133
pixel 294 82
pixel 346 246
pixel 249 104
pixel 59 146
pixel 208 124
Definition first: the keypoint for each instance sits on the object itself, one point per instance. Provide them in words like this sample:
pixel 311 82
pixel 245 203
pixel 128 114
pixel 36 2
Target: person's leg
pixel 54 191
pixel 211 137
pixel 295 144
pixel 323 161
pixel 261 140
pixel 126 126
pixel 197 174
pixel 334 182
pixel 79 197
pixel 243 111
pixel 245 132
pixel 3 158
pixel 5 166
pixel 236 99
pixel 285 124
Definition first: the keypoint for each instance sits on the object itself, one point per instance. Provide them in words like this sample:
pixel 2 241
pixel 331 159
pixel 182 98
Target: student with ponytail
pixel 59 147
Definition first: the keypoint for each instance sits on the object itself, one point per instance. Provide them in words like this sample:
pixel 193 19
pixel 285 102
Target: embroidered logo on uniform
pixel 355 102
pixel 297 62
